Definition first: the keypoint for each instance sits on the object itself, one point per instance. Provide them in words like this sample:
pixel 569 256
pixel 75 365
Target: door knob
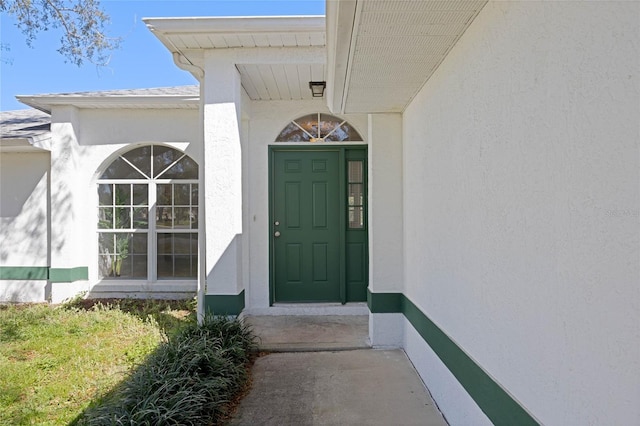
pixel 276 234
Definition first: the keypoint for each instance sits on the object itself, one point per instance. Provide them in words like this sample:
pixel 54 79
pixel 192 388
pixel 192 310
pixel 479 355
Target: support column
pixel 68 246
pixel 386 247
pixel 221 177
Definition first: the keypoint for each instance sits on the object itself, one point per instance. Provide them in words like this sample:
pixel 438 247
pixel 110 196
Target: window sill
pixel 143 286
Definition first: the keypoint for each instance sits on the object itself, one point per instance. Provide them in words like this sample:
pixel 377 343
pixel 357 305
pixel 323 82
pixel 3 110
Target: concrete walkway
pixel 329 379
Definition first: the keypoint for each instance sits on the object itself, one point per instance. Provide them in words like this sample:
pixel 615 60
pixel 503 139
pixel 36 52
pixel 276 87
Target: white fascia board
pixel 341 17
pixel 26 144
pixel 44 103
pixel 235 24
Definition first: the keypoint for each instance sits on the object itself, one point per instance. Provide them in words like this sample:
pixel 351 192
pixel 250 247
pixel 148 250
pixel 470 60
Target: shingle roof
pixel 192 90
pixel 24 124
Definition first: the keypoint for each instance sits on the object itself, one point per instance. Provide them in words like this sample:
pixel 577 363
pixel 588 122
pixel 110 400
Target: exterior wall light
pixel 317 88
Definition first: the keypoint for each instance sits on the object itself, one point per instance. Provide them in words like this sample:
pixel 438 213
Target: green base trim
pixel 24 272
pixel 492 399
pixel 384 303
pixel 68 275
pixel 55 275
pixel 224 304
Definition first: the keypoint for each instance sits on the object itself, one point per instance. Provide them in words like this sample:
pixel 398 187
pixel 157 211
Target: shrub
pixel 189 380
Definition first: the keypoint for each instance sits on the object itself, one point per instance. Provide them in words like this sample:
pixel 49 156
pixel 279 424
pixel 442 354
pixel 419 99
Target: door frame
pixel 342 161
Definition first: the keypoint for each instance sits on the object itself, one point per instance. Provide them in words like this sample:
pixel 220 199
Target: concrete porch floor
pixel 323 372
pixel 304 333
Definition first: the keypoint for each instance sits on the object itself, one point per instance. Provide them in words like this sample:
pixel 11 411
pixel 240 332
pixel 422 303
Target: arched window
pixel 319 127
pixel 148 216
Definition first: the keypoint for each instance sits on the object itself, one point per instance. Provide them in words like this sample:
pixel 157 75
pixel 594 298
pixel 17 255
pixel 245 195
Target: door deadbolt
pixel 277 223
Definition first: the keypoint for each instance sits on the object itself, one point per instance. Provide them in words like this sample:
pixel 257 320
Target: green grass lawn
pixel 56 360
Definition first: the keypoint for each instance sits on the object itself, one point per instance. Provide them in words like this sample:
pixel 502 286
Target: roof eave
pixel 26 144
pixel 236 24
pixel 45 103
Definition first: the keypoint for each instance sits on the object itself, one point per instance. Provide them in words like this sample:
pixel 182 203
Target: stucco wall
pixel 522 206
pixel 85 141
pixel 267 120
pixel 24 223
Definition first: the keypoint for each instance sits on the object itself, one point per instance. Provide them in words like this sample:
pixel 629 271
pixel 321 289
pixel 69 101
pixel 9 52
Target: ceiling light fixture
pixel 317 88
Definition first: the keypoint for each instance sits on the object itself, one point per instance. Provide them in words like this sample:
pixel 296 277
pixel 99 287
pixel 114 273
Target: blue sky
pixel 141 62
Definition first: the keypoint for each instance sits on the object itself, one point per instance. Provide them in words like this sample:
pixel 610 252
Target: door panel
pixel 306 206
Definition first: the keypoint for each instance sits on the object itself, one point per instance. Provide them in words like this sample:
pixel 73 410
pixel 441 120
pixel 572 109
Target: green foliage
pixel 82 23
pixel 189 380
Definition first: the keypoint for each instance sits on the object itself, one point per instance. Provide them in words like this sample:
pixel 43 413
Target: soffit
pixel 394 48
pixel 266 50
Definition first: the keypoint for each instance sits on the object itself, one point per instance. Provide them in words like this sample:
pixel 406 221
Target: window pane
pixel 182 266
pixel 182 218
pixel 119 169
pixel 123 194
pixel 182 243
pixel 186 168
pixel 356 218
pixel 117 258
pixel 355 194
pixel 329 129
pixel 164 217
pixel 194 218
pixel 123 218
pixel 141 195
pixel 141 218
pixel 164 195
pixel 141 158
pixel 182 194
pixel 165 266
pixel 105 194
pixel 194 194
pixel 165 244
pixel 292 133
pixel 139 266
pixel 163 157
pixel 177 255
pixel 309 123
pixel 355 171
pixel 327 125
pixel 139 243
pixel 106 243
pixel 105 218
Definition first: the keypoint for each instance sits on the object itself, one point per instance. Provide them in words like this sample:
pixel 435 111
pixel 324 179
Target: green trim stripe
pixel 497 404
pixel 384 303
pixel 224 304
pixel 24 272
pixel 55 275
pixel 68 275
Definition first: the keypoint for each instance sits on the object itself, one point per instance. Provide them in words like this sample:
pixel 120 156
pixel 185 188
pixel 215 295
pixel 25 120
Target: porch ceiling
pixel 392 49
pixel 275 56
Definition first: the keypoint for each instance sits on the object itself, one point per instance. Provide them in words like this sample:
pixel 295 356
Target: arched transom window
pixel 319 127
pixel 148 215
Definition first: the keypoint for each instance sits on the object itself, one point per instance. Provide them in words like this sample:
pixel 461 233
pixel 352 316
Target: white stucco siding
pixel 268 118
pixel 24 221
pixel 522 206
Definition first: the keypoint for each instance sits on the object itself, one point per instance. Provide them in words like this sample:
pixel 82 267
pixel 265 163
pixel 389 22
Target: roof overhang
pixel 25 144
pixel 381 53
pixel 275 56
pixel 46 102
pixel 25 131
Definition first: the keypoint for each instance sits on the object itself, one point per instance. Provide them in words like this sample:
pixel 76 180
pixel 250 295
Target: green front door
pixel 306 226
